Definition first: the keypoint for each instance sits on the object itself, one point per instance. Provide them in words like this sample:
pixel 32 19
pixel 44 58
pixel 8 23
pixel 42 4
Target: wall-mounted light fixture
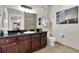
pixel 27 9
pixel 25 6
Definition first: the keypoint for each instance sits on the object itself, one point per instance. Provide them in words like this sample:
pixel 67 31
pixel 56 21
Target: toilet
pixel 51 41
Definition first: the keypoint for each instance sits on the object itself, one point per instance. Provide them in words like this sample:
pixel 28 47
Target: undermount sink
pixel 29 32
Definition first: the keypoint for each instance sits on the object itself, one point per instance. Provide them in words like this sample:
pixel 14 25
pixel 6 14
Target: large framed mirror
pixel 16 19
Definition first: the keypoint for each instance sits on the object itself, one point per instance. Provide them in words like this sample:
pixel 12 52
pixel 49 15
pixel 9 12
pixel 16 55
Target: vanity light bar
pixel 24 6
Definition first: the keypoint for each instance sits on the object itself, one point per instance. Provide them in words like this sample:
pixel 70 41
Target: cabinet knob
pixel 7 40
pixel 32 39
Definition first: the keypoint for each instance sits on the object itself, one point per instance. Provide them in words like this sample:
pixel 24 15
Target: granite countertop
pixel 18 34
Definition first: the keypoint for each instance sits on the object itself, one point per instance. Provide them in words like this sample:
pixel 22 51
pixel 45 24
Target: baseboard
pixel 67 46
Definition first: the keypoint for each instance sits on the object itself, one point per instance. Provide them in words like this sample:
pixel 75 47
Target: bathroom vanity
pixel 18 41
pixel 23 43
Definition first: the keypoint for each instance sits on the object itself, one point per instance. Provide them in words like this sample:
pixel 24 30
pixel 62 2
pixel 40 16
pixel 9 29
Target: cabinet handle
pixel 12 44
pixel 8 45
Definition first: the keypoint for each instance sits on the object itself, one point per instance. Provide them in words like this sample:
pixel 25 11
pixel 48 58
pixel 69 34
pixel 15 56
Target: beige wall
pixel 70 31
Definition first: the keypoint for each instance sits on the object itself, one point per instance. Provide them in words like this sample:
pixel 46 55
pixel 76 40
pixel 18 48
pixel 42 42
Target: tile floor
pixel 57 49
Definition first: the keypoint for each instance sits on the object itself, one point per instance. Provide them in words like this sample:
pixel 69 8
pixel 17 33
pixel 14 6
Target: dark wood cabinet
pixel 25 46
pixel 9 48
pixel 43 39
pixel 35 42
pixel 23 43
pixel 7 40
pixel 8 45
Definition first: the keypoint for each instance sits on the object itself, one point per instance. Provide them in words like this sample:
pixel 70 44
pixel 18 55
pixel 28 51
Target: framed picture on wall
pixel 68 16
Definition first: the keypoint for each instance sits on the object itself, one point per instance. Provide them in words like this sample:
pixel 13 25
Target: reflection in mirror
pixel 16 22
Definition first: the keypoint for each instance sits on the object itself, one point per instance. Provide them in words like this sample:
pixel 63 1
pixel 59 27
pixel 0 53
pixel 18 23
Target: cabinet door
pixel 25 46
pixel 9 48
pixel 35 42
pixel 43 39
pixel 24 43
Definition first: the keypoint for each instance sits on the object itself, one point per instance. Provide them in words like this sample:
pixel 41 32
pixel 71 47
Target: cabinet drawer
pixel 36 35
pixel 24 37
pixel 7 40
pixel 43 34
